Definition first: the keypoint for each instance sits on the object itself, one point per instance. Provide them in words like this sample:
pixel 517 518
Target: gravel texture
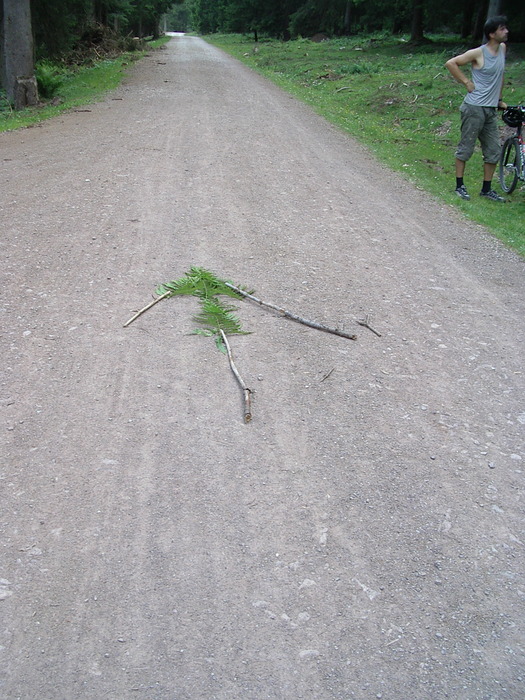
pixel 363 536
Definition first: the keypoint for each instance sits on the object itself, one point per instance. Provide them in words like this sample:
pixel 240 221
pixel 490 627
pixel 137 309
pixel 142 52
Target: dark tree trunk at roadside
pixel 467 18
pixel 16 53
pixel 347 23
pixel 416 34
pixel 494 8
pixel 481 17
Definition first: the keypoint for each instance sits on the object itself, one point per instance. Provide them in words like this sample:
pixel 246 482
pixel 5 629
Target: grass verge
pixel 79 86
pixel 399 101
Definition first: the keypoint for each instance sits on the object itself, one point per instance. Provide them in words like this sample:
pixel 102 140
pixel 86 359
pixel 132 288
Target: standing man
pixel 478 110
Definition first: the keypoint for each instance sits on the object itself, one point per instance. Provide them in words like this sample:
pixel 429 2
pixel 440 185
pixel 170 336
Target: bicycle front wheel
pixel 509 164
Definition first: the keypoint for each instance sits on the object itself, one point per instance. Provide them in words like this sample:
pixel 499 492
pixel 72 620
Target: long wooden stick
pixel 246 391
pixel 152 303
pixel 290 315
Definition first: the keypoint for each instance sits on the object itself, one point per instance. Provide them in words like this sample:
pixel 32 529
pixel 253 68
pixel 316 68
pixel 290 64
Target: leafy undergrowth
pixel 400 101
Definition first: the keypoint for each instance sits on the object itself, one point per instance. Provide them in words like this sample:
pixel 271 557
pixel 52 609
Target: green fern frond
pixel 176 287
pixel 216 316
pixel 187 285
pixel 198 282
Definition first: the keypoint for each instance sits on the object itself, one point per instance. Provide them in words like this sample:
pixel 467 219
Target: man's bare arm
pixel 454 66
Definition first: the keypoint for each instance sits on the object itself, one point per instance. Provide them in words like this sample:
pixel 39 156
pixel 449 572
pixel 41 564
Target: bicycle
pixel 512 159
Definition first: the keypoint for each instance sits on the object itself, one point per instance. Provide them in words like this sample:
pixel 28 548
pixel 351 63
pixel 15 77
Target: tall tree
pixel 205 15
pixel 481 17
pixel 326 16
pixel 494 8
pixel 146 16
pixel 347 22
pixel 16 53
pixel 58 25
pixel 416 32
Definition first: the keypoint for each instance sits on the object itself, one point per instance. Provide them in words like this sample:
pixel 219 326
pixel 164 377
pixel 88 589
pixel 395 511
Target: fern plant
pixel 198 282
pixel 216 318
pixel 215 315
pixel 48 79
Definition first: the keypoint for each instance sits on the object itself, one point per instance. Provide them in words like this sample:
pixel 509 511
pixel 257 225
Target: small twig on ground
pixel 364 322
pixel 343 88
pixel 246 391
pixel 290 315
pixel 152 303
pixel 327 374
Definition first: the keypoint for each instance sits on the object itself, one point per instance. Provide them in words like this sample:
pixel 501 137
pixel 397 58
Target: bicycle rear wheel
pixel 509 164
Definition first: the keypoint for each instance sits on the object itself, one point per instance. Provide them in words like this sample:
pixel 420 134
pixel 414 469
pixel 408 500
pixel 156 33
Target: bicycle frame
pixel 512 159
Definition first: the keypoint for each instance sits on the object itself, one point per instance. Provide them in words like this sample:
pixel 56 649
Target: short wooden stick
pixel 152 303
pixel 246 391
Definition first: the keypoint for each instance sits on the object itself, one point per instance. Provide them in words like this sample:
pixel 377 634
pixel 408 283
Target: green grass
pixel 400 102
pixel 79 86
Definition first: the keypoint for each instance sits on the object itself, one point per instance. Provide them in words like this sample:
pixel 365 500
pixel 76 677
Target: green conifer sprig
pixel 215 315
pixel 198 282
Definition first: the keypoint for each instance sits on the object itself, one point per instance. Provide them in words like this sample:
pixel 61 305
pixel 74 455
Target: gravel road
pixel 363 536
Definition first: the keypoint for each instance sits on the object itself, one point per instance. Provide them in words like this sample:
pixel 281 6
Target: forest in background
pixel 60 27
pixel 73 32
pixel 285 19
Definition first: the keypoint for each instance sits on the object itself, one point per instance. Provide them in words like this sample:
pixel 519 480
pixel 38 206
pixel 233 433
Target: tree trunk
pixel 16 52
pixel 481 16
pixel 100 11
pixel 467 19
pixel 494 8
pixel 416 34
pixel 347 22
pixel 26 92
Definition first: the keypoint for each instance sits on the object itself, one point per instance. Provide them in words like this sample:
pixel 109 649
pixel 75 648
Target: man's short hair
pixel 493 24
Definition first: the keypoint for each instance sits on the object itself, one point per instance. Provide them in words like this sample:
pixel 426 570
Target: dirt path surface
pixel 363 536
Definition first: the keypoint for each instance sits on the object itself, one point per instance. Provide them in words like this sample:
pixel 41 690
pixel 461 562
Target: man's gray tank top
pixel 487 80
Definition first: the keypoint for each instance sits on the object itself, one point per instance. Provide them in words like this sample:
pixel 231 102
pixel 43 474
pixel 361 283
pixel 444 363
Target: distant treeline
pixel 292 18
pixel 59 26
